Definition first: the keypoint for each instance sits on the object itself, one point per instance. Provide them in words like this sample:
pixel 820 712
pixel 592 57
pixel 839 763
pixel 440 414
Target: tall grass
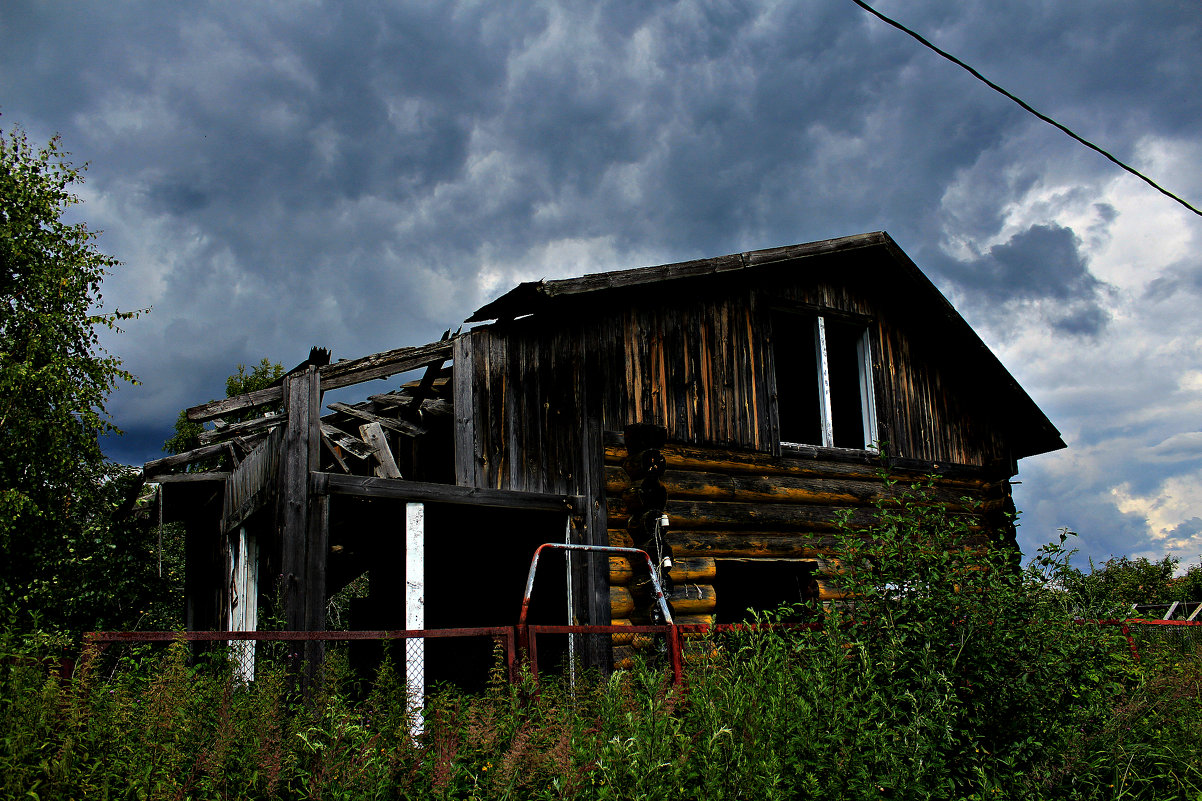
pixel 763 714
pixel 953 675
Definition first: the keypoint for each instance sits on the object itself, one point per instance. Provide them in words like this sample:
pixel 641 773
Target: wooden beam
pixel 157 466
pixel 382 365
pixel 349 443
pixel 424 492
pixel 422 390
pixel 334 451
pixel 436 407
pixel 373 435
pixel 260 397
pixel 399 426
pixel 237 429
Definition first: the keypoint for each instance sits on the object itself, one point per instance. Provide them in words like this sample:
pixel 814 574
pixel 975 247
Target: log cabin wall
pixel 533 395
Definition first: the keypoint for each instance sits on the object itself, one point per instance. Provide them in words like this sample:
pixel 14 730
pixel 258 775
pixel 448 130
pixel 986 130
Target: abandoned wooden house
pixel 720 412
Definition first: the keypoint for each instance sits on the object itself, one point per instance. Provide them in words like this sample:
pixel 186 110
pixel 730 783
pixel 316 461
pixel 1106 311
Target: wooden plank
pixel 334 450
pixel 316 551
pixel 373 435
pixel 435 407
pixel 382 365
pixel 249 484
pixel 355 447
pixel 399 426
pixel 464 439
pixel 249 400
pixel 157 466
pixel 420 491
pixel 236 429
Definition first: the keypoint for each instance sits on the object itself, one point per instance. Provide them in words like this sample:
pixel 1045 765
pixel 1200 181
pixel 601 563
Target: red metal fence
pixel 673 646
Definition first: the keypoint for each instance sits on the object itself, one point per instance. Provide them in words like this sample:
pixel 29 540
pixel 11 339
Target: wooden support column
pixel 303 582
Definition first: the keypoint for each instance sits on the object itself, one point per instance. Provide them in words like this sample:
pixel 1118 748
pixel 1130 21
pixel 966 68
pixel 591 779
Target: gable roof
pixel 928 311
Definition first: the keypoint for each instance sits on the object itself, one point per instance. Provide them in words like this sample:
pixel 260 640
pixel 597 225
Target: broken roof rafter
pixel 334 376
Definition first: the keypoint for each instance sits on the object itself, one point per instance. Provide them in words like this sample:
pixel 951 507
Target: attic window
pixel 824 382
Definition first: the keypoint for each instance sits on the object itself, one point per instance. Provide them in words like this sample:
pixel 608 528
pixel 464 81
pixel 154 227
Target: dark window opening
pixel 797 380
pixel 745 587
pixel 846 371
pixel 823 382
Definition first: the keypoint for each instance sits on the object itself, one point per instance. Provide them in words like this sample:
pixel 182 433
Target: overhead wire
pixel 1026 106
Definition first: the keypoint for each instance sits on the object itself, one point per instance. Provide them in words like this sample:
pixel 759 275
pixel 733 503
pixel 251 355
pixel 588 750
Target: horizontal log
pixel 861 466
pixel 156 466
pixel 686 514
pixel 680 620
pixel 750 544
pixel 828 490
pixel 621 603
pixel 687 599
pixel 622 571
pixel 828 591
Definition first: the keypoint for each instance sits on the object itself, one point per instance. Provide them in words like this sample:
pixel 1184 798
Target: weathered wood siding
pixel 701 364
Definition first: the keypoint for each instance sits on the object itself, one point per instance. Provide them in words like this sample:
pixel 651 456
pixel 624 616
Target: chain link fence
pixel 1166 636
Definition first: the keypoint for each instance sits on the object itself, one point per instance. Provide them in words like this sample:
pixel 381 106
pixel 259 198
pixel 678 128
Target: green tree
pixel 56 488
pixel 1111 587
pixel 187 432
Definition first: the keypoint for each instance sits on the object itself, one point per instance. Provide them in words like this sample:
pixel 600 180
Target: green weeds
pixel 953 675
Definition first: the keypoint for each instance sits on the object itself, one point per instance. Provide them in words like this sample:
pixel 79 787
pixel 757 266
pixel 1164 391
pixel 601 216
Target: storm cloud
pixel 362 176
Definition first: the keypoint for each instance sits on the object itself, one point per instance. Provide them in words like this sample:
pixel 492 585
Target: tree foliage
pixel 186 436
pixel 1114 585
pixel 56 489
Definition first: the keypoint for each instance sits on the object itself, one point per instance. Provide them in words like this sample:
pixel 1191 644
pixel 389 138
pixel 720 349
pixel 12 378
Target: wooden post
pixel 302 524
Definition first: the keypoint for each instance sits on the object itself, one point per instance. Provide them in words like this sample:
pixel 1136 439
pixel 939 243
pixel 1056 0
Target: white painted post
pixel 415 609
pixel 244 605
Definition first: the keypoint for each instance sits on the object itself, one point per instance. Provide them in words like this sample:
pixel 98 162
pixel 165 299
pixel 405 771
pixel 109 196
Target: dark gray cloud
pixel 1041 263
pixel 364 175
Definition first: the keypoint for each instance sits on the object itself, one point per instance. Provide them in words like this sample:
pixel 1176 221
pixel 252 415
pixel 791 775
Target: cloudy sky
pixel 364 175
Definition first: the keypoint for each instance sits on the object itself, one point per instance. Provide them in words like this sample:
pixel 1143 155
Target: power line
pixel 1025 105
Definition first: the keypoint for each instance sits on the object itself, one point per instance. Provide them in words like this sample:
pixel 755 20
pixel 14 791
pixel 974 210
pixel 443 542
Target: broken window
pixel 749 587
pixel 824 382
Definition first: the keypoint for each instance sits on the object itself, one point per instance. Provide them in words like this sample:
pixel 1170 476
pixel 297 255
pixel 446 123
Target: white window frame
pixel 867 395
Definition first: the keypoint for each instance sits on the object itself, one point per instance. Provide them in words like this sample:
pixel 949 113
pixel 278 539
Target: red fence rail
pixel 520 643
